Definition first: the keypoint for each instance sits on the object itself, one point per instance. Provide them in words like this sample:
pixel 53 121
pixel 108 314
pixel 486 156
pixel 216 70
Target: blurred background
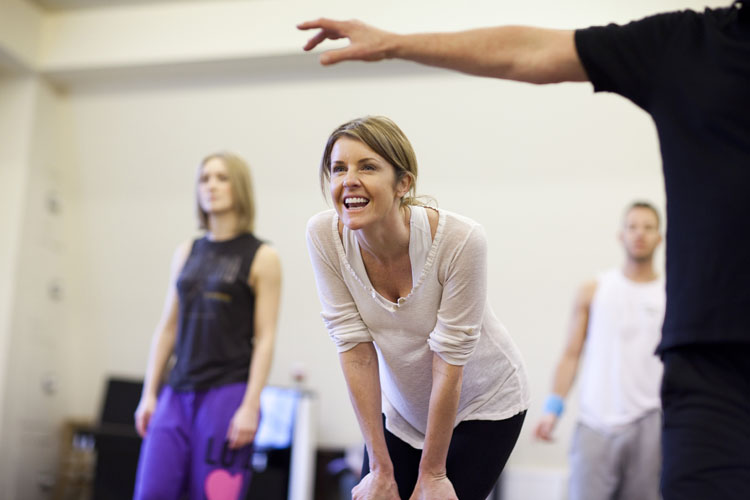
pixel 107 106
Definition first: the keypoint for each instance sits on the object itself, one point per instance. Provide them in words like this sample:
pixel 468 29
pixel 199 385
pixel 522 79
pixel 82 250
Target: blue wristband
pixel 554 404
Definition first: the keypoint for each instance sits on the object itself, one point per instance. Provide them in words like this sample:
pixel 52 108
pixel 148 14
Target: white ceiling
pixel 82 4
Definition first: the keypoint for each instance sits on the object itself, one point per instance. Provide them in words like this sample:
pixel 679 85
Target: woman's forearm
pixel 162 346
pixel 360 367
pixel 260 367
pixel 446 390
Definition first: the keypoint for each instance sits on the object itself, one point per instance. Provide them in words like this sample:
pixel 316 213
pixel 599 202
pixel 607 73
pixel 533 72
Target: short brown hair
pixel 647 205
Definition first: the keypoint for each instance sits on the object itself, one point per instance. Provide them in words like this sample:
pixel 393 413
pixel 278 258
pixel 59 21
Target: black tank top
pixel 216 314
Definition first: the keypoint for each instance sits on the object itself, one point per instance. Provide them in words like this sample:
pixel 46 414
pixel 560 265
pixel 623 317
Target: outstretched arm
pixel 567 366
pixel 522 53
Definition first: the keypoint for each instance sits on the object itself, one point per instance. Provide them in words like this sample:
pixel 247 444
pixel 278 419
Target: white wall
pixel 16 101
pixel 547 170
pixel 31 333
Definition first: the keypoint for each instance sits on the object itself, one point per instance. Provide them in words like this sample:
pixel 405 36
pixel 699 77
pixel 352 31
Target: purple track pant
pixel 185 449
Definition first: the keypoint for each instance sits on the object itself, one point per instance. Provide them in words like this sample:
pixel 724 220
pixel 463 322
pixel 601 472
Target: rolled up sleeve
pixel 459 320
pixel 340 313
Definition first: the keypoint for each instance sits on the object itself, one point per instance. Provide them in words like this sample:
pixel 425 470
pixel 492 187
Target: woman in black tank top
pixel 218 325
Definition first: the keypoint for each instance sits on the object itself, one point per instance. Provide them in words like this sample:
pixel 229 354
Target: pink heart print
pixel 221 485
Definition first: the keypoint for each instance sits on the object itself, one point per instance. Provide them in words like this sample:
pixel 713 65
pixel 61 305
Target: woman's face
pixel 215 188
pixel 364 189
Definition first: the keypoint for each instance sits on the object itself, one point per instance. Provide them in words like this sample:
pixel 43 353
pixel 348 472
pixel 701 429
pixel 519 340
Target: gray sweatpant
pixel 622 465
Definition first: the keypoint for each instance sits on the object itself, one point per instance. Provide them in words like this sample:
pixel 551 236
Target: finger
pixel 315 41
pixel 236 442
pixel 240 441
pixel 356 491
pixel 243 438
pixel 232 434
pixel 322 23
pixel 542 433
pixel 337 56
pixel 142 424
pixel 309 25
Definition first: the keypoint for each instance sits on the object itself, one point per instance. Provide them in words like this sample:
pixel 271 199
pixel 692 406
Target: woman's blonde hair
pixel 238 172
pixel 384 137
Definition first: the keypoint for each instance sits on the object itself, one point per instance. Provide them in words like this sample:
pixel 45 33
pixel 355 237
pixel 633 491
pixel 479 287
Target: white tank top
pixel 621 374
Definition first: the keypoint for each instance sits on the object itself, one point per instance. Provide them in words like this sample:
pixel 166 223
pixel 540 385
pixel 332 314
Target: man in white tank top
pixel 615 329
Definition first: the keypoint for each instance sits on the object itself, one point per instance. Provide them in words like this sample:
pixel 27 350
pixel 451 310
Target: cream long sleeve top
pixel 446 313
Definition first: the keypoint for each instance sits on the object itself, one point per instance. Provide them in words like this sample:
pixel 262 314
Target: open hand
pixel 367 43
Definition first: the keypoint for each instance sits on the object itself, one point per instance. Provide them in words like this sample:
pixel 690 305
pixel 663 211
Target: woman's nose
pixel 351 178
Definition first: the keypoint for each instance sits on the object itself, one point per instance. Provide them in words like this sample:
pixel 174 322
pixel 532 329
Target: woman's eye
pixel 368 166
pixel 338 168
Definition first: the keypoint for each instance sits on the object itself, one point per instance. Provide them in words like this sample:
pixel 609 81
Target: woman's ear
pixel 403 185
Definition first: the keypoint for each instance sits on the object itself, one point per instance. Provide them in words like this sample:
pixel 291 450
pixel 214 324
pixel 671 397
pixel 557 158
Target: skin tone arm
pixel 162 345
pixel 265 279
pixel 360 367
pixel 522 53
pixel 567 366
pixel 432 481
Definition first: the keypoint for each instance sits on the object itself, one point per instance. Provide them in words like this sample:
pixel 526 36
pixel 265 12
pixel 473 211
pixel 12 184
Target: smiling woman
pixel 404 295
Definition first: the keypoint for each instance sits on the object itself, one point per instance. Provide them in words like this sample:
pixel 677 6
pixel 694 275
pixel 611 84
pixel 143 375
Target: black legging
pixel 477 454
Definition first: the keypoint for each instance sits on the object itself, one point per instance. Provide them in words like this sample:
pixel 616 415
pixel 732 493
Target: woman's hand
pixel 376 486
pixel 243 426
pixel 146 408
pixel 433 488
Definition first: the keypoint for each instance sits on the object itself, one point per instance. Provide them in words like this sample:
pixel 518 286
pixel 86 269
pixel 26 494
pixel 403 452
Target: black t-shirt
pixel 691 73
pixel 216 314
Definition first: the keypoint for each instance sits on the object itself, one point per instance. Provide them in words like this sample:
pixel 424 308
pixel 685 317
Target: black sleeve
pixel 628 59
